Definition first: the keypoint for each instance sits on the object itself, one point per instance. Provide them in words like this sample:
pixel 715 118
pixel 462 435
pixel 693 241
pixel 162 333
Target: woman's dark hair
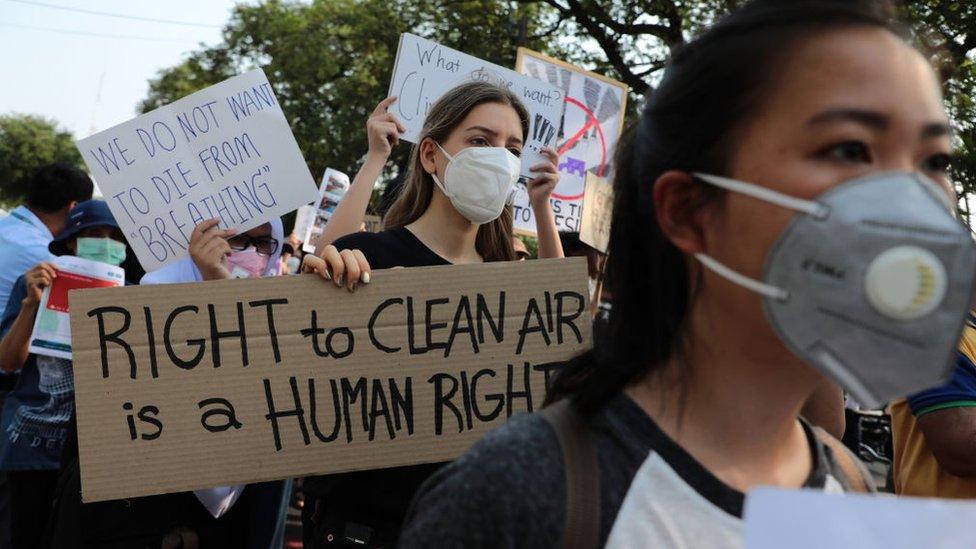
pixel 709 88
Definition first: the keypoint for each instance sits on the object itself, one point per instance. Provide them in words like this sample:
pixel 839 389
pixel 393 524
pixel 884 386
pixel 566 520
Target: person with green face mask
pixel 34 425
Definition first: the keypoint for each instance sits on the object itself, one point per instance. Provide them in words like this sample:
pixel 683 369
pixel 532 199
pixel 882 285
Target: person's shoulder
pixel 512 457
pixel 523 438
pixel 508 490
pixel 14 302
pixel 383 250
pixel 360 239
pixel 24 253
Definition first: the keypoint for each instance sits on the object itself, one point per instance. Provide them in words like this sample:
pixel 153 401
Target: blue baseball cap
pixel 90 213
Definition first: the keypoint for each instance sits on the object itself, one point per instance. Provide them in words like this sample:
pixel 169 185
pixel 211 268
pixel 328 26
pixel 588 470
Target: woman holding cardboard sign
pixel 454 209
pixel 781 217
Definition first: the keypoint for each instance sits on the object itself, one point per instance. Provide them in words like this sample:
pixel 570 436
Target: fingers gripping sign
pixel 541 187
pixel 345 269
pixel 38 278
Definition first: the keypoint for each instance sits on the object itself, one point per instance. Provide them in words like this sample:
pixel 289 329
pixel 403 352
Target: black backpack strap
pixel 582 475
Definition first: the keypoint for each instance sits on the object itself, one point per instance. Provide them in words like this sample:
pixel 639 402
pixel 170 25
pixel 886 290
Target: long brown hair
pixel 494 240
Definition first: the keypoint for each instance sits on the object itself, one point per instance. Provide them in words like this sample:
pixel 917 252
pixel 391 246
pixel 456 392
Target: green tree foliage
pixel 330 61
pixel 635 38
pixel 28 142
pixel 947 30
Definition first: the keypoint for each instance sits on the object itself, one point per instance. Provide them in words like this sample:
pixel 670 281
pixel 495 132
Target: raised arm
pixel 383 130
pixel 540 191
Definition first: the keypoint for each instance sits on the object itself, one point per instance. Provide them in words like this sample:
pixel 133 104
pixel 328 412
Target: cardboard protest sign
pixel 597 212
pixel 224 152
pixel 813 519
pixel 591 125
pixel 52 329
pixel 426 70
pixel 189 386
pixel 334 186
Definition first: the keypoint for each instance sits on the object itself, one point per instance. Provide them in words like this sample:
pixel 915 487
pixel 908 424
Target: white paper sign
pixel 225 152
pixel 812 519
pixel 304 216
pixel 52 324
pixel 426 70
pixel 334 186
pixel 591 125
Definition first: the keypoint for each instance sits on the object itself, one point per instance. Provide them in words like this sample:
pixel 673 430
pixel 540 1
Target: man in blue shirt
pixel 24 237
pixel 26 232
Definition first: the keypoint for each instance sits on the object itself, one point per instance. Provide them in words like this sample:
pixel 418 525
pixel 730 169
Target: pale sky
pixel 52 62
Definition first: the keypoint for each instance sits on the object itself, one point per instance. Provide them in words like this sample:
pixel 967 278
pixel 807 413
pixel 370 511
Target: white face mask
pixel 479 181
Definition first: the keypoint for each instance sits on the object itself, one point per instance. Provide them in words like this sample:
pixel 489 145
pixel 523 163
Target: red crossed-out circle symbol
pixel 591 121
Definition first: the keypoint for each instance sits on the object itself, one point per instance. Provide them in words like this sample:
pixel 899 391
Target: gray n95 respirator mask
pixel 871 284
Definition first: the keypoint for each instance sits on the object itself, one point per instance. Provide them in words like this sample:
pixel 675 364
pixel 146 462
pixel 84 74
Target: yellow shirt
pixel 916 471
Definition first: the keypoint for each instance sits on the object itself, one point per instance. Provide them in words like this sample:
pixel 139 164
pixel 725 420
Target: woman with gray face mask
pixel 781 218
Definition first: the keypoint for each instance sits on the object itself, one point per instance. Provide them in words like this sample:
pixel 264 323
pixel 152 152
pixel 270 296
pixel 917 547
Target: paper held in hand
pixel 332 190
pixel 224 152
pixel 52 325
pixel 816 519
pixel 597 213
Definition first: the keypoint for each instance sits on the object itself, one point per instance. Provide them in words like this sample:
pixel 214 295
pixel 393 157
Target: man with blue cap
pixel 36 414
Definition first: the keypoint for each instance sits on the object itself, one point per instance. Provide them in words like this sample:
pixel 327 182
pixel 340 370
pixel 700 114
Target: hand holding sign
pixel 541 187
pixel 37 279
pixel 209 249
pixel 346 268
pixel 383 129
pixel 52 283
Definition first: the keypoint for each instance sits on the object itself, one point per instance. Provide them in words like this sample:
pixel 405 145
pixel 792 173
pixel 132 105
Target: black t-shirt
pixel 392 248
pixel 376 499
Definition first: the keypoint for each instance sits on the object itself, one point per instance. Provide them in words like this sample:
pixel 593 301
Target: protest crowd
pixel 773 300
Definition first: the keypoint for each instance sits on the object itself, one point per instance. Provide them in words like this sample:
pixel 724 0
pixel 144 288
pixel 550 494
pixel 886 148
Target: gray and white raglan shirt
pixel 509 489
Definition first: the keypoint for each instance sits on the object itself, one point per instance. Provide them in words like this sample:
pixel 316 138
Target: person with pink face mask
pixel 219 254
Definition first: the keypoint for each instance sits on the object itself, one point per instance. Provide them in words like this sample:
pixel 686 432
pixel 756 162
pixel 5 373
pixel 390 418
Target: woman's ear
pixel 428 154
pixel 679 206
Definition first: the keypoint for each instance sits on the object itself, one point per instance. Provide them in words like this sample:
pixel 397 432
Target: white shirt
pixel 662 510
pixel 23 244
